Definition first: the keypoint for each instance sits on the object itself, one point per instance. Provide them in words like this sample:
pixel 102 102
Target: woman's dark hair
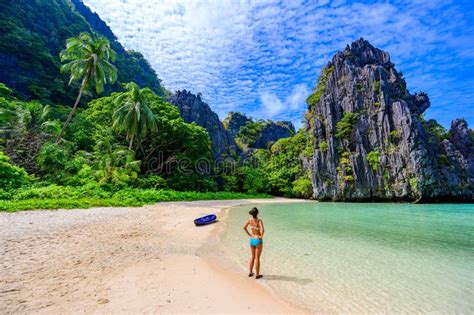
pixel 254 212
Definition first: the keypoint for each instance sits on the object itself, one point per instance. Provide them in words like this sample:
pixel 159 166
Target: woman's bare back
pixel 256 226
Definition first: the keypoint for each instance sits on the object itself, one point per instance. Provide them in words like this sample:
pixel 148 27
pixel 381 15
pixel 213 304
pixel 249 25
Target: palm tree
pixel 115 162
pixel 133 115
pixel 34 116
pixel 24 128
pixel 31 117
pixel 87 59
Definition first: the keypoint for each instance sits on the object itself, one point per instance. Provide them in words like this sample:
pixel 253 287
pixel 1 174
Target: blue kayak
pixel 211 218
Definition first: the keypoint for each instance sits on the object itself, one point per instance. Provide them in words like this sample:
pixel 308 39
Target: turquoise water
pixel 360 258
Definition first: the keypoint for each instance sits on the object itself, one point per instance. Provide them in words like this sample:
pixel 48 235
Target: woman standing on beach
pixel 256 241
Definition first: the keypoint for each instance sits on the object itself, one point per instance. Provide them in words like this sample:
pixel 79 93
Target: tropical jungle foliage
pixel 127 148
pixel 94 164
pixel 35 32
pixel 277 171
pixel 249 133
pixel 87 59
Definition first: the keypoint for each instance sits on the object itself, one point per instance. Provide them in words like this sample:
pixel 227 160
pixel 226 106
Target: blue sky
pixel 262 57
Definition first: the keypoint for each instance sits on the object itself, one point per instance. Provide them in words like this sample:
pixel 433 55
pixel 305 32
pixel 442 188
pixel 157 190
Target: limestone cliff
pixel 260 134
pixel 234 121
pixel 272 132
pixel 193 109
pixel 371 141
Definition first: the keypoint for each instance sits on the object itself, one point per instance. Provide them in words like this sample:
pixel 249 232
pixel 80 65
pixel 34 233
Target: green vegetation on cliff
pixel 320 88
pixel 33 34
pixel 249 133
pixel 256 134
pixel 373 158
pixel 345 126
pixel 280 169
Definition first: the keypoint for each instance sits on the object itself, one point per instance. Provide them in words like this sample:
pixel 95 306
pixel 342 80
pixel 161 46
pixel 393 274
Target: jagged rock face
pixel 193 109
pixel 370 141
pixel 462 137
pixel 458 173
pixel 269 132
pixel 234 121
pixel 287 124
pixel 272 132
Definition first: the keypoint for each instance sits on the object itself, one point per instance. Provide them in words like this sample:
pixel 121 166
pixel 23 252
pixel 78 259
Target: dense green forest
pixel 96 159
pixel 33 34
pixel 71 134
pixel 127 148
pixel 96 163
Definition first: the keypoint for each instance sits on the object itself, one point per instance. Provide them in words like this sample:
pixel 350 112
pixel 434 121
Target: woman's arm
pixel 262 229
pixel 245 228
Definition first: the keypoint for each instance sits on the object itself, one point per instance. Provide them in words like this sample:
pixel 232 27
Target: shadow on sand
pixel 297 280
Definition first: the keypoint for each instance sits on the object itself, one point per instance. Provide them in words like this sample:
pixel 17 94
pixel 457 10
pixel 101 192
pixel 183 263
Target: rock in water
pixel 371 141
pixel 193 109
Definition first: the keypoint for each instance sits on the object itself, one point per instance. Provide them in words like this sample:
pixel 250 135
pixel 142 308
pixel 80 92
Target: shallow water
pixel 360 258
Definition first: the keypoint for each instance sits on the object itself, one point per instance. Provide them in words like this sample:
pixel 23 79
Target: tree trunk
pixel 131 143
pixel 73 110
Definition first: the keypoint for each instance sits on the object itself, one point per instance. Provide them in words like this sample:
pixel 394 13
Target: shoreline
pixel 230 267
pixel 122 260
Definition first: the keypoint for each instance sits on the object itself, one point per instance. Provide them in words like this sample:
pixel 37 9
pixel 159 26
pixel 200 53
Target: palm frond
pixel 87 58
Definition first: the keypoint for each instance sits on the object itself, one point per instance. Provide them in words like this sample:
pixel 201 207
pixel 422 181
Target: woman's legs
pixel 252 259
pixel 258 252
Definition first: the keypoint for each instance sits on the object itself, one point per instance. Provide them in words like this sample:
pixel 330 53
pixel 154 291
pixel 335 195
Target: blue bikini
pixel 255 242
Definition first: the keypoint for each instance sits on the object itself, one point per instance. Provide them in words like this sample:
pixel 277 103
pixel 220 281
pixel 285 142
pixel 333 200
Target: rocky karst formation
pixel 259 134
pixel 193 109
pixel 234 121
pixel 272 132
pixel 371 141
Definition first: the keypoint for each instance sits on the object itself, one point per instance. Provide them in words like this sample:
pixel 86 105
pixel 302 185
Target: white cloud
pixel 297 98
pixel 261 56
pixel 271 104
pixel 274 107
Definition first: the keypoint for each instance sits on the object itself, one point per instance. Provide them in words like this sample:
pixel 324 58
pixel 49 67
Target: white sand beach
pixel 123 260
